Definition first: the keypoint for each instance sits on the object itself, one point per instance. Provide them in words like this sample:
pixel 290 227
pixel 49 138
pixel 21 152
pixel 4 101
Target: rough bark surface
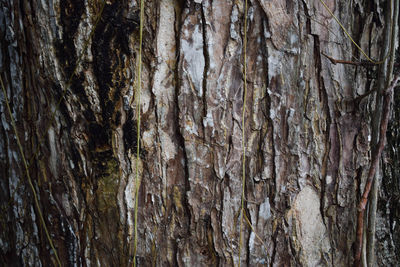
pixel 307 144
pixel 388 215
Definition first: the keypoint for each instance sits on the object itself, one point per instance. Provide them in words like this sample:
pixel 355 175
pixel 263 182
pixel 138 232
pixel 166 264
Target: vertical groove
pixel 139 85
pixel 206 67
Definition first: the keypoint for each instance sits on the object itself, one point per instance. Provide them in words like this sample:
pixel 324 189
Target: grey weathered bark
pixel 307 144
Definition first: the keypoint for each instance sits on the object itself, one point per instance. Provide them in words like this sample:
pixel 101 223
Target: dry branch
pixel 372 169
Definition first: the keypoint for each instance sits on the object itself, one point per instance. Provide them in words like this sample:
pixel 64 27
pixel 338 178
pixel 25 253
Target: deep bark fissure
pixel 205 70
pixel 324 100
pixel 181 140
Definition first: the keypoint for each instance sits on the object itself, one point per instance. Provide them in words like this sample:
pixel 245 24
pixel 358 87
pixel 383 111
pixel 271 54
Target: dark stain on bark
pixel 110 44
pixel 130 132
pixel 99 137
pixel 79 90
pixel 71 13
pixel 110 48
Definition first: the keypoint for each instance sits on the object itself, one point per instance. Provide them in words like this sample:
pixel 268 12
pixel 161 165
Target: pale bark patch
pixel 310 229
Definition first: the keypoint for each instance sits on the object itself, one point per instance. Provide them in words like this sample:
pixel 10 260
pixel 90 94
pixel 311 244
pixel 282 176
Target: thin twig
pixel 340 61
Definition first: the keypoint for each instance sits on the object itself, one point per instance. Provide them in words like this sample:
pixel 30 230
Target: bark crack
pixel 180 137
pixel 324 98
pixel 206 68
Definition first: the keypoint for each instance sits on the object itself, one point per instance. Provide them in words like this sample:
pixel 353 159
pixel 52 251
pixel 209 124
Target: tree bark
pixel 69 70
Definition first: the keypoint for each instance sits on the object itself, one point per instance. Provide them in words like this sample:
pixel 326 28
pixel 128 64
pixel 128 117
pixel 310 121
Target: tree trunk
pixel 69 69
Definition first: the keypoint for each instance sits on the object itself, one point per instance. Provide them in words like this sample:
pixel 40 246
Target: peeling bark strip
pixel 303 148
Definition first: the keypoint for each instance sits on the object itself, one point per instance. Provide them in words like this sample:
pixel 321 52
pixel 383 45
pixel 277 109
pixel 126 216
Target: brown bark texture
pixel 69 69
